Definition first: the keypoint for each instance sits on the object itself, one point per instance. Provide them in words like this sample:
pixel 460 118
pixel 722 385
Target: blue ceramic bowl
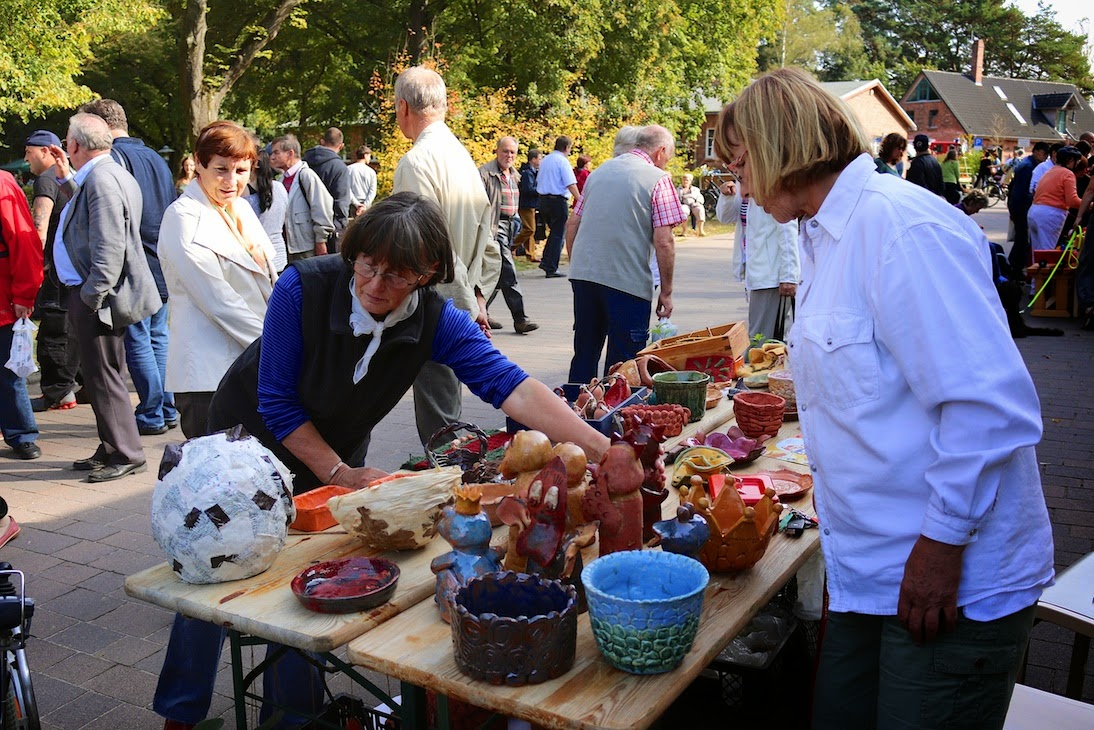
pixel 644 607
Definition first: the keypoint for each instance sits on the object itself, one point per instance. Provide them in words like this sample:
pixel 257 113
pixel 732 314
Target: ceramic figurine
pixel 648 438
pixel 467 529
pixel 614 499
pixel 537 521
pixel 685 534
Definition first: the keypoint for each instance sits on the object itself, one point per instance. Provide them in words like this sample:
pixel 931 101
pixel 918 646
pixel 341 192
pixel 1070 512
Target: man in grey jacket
pixel 99 255
pixel 310 220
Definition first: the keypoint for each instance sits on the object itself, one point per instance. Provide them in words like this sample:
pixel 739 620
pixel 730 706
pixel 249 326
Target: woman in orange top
pixel 1054 196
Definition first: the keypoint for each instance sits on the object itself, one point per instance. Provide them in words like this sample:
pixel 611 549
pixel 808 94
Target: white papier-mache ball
pixel 222 507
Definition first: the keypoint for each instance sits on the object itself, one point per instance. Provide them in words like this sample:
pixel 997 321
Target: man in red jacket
pixel 20 276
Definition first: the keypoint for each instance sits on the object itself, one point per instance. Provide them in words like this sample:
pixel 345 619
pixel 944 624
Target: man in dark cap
pixel 924 169
pixel 58 352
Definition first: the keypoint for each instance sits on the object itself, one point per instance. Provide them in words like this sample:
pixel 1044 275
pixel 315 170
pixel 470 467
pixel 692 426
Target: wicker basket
pixel 759 414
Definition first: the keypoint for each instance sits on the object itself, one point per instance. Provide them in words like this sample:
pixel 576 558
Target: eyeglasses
pixel 390 278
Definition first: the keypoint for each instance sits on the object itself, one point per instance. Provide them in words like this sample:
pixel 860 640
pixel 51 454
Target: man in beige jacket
pixel 440 168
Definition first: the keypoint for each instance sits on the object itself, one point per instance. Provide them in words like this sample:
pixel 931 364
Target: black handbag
pixel 786 307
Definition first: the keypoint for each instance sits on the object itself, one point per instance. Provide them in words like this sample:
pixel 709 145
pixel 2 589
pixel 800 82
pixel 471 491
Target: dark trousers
pixel 953 192
pixel 507 281
pixel 193 411
pixel 600 313
pixel 58 354
pixel 554 210
pixel 102 359
pixel 871 675
pixel 1019 257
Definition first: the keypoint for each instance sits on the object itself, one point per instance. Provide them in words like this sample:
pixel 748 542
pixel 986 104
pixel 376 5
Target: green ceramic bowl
pixel 685 387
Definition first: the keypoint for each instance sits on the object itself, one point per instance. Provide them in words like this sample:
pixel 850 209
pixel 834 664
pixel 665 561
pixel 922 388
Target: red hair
pixel 226 139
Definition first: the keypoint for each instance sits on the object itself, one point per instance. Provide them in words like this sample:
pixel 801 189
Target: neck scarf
pixel 363 323
pixel 235 225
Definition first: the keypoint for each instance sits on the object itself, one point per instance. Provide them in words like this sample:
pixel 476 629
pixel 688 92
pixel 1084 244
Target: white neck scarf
pixel 363 323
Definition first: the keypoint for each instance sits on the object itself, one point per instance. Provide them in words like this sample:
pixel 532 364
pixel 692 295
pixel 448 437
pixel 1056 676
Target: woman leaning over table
pixel 217 261
pixel 915 405
pixel 343 341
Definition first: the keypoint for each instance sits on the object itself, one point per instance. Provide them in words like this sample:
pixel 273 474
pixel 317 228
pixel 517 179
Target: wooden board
pixel 265 606
pixel 416 646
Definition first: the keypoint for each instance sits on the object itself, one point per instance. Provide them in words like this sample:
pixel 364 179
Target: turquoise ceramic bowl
pixel 644 607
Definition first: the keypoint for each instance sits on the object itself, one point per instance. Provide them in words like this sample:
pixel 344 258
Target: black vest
pixel 343 413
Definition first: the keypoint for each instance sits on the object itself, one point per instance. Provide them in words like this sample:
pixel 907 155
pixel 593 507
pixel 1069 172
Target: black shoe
pixel 172 424
pixel 494 324
pixel 27 451
pixel 518 251
pixel 525 326
pixel 152 430
pixel 110 472
pixel 96 461
pixel 555 275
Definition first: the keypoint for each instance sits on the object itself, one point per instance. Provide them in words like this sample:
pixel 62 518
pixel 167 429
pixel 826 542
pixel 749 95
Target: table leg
pixel 1077 672
pixel 238 688
pixel 413 707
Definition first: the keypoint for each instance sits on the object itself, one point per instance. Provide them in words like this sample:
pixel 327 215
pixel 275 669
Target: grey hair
pixel 287 143
pixel 625 139
pixel 90 131
pixel 423 91
pixel 654 136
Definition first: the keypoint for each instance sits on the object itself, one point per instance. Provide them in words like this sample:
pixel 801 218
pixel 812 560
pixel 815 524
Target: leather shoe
pixel 525 326
pixel 172 424
pixel 555 275
pixel 27 451
pixel 494 324
pixel 152 430
pixel 110 472
pixel 96 461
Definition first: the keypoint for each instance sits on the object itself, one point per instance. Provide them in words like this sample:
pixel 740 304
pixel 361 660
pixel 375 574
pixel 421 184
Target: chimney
pixel 978 62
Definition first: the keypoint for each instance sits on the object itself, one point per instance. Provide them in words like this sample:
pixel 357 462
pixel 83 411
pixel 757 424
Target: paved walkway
pixel 96 653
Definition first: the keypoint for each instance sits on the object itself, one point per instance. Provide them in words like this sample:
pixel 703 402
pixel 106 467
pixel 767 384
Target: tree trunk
pixel 201 101
pixel 420 17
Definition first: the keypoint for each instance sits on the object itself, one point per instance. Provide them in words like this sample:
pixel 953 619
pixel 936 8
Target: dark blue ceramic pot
pixel 644 607
pixel 515 629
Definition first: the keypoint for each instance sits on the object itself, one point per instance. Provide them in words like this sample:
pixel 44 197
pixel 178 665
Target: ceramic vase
pixel 514 628
pixel 644 608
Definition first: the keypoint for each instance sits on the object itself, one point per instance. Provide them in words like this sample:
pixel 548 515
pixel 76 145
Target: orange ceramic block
pixel 312 513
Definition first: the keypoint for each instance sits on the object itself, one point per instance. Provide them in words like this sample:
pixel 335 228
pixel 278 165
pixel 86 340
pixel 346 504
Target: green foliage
pixel 44 45
pixel 905 36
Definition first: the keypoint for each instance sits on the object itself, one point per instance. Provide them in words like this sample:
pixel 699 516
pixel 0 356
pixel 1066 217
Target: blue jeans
pixel 600 313
pixel 146 357
pixel 16 416
pixel 185 688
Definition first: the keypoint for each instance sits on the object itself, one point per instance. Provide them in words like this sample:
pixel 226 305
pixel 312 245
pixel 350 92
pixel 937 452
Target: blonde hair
pixel 793 131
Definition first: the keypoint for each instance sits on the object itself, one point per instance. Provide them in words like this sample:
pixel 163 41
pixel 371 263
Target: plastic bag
pixel 21 361
pixel 810 603
pixel 664 328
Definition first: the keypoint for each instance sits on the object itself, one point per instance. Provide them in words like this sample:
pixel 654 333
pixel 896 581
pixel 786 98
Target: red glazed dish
pixel 346 585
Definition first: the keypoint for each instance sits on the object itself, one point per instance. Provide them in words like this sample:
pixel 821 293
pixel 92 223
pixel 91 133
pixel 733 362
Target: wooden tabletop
pixel 265 606
pixel 416 646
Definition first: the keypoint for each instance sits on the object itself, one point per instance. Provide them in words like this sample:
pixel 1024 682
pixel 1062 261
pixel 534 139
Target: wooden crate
pixel 728 339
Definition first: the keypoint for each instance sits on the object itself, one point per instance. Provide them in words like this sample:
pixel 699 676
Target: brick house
pixel 876 109
pixel 1000 112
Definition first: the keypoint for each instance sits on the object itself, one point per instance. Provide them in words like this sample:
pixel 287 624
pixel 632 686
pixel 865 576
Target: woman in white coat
pixel 765 257
pixel 218 263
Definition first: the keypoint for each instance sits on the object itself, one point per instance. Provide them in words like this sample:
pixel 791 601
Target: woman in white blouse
pixel 218 263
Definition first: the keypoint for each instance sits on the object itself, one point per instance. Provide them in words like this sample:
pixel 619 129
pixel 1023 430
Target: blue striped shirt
pixel 458 343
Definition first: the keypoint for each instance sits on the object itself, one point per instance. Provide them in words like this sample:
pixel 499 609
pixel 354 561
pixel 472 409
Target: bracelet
pixel 334 470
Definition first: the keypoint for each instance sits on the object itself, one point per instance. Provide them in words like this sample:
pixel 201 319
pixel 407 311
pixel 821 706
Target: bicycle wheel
pixel 995 194
pixel 20 708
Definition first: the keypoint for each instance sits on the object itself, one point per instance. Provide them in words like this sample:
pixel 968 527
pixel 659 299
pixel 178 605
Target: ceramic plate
pixel 346 585
pixel 789 485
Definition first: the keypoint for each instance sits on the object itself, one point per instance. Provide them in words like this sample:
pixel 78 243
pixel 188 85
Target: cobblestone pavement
pixel 96 653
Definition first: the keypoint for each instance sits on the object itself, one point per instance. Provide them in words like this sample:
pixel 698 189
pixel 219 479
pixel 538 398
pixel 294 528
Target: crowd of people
pixel 217 292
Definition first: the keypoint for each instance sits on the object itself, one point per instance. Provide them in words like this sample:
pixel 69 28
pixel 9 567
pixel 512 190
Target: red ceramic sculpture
pixel 614 499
